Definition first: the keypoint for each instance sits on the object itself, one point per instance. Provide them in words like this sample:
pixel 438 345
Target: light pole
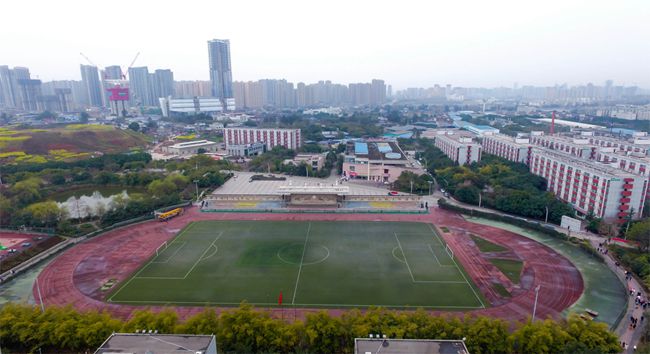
pixel 411 186
pixel 535 305
pixel 479 199
pixel 430 183
pixel 196 184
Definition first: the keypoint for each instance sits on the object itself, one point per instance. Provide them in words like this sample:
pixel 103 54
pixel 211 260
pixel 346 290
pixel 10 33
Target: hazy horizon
pixel 415 44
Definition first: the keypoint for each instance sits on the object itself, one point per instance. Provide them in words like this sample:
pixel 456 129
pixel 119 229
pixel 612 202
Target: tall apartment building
pixel 289 138
pixel 92 85
pixel 514 149
pixel 140 87
pixel 221 71
pixel 591 187
pixel 163 84
pixel 8 89
pixel 458 145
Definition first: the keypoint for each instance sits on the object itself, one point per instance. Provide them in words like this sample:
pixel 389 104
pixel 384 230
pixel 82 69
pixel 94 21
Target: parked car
pixel 26 244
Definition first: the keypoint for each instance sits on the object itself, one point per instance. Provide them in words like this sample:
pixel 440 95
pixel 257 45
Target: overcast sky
pixel 407 43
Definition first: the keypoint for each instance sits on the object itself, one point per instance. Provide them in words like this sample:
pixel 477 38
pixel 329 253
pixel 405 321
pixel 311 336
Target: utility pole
pixel 479 199
pixel 411 186
pixel 196 184
pixel 430 183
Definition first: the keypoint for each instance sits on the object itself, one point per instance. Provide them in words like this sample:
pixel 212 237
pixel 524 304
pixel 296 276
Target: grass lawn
pixel 487 246
pixel 510 268
pixel 313 264
pixel 501 290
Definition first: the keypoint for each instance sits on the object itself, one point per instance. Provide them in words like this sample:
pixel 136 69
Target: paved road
pixel 626 333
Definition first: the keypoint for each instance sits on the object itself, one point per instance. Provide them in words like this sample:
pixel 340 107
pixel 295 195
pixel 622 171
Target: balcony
pixel 626 193
pixel 624 207
pixel 622 214
pixel 628 186
pixel 625 200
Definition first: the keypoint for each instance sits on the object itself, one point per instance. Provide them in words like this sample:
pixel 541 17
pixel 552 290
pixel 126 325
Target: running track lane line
pixel 304 249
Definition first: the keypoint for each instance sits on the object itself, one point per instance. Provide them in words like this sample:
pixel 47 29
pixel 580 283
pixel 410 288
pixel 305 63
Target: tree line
pixel 26 328
pixel 27 201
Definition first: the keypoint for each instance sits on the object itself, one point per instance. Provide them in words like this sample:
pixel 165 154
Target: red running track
pixel 75 276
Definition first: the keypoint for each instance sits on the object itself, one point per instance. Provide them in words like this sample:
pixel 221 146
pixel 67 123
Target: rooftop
pixel 375 151
pixel 193 144
pixel 408 346
pixel 155 343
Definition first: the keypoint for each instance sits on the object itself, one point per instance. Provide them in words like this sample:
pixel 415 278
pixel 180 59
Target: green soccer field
pixel 313 264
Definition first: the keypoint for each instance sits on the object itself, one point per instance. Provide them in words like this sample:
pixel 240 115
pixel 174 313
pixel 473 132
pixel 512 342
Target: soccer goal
pixel 161 248
pixel 450 252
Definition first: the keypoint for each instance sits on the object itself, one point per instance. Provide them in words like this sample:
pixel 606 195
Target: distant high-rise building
pixel 139 86
pixel 30 93
pixel 92 85
pixel 377 92
pixel 9 91
pixel 113 72
pixel 220 69
pixel 163 83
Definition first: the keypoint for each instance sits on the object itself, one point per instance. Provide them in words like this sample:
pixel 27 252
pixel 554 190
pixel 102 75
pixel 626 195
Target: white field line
pixel 437 260
pixel 404 255
pixel 458 267
pixel 304 249
pixel 203 254
pixel 173 254
pixel 110 299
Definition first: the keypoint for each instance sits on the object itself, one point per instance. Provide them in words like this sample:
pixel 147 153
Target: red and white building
pixel 458 145
pixel 288 138
pixel 513 149
pixel 577 146
pixel 591 187
pixel 639 145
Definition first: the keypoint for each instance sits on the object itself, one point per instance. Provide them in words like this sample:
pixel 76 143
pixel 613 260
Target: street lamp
pixel 480 199
pixel 535 305
pixel 430 183
pixel 196 184
pixel 411 186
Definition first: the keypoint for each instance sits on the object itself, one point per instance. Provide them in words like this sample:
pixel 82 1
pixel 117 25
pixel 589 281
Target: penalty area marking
pixel 173 254
pixel 453 259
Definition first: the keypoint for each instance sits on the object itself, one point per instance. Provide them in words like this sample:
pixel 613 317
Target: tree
pixel 44 213
pixel 83 117
pixel 134 126
pixel 160 188
pixel 640 232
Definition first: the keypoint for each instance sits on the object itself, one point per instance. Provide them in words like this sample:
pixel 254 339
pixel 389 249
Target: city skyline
pixel 415 45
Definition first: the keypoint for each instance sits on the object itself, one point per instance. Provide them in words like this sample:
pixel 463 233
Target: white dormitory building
pixel 516 149
pixel 458 145
pixel 191 147
pixel 288 138
pixel 604 176
pixel 591 187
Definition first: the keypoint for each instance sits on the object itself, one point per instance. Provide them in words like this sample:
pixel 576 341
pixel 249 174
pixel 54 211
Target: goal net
pixel 161 248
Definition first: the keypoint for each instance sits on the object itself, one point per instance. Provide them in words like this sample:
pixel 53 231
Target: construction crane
pixel 130 65
pixel 88 60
